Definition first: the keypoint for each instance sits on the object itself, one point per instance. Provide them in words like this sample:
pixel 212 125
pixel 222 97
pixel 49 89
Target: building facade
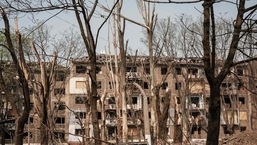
pixel 184 78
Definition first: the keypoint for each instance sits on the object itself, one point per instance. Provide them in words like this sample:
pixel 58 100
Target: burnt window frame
pixel 98 69
pixel 59 135
pixel 80 100
pixel 59 91
pixel 147 70
pixel 99 84
pixel 59 120
pixel 79 131
pixel 165 85
pixel 164 70
pixel 134 100
pixel 60 76
pixel 241 99
pixel 131 69
pixel 80 115
pixel 111 100
pixel 59 105
pixel 178 85
pixel 99 115
pixel 178 70
pixel 240 71
pixel 146 86
pixel 81 69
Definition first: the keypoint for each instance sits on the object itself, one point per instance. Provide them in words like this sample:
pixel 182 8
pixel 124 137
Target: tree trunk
pixel 154 118
pixel 214 115
pixel 19 128
pixel 122 88
pixel 103 130
pixel 44 124
pixel 95 121
pixel 177 136
pixel 2 134
pixel 87 122
pixel 163 117
pixel 103 136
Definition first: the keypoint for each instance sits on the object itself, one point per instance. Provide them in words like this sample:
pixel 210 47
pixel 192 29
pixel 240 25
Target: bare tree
pixel 42 94
pixel 148 13
pixel 209 58
pixel 22 71
pixel 122 84
pixel 209 43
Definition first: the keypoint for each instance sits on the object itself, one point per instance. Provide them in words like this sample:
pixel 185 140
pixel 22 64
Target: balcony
pixel 134 106
pixel 111 107
pixel 111 122
pixel 133 75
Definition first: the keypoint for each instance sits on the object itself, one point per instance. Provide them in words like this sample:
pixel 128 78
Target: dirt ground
pixel 243 138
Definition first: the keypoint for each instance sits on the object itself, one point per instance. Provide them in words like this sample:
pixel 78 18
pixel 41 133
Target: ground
pixel 243 138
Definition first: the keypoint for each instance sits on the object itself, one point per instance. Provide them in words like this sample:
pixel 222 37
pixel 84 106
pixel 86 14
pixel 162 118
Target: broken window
pixel 30 120
pixel 131 69
pixel 195 101
pixel 226 85
pixel 194 128
pixel 80 100
pixel 240 71
pixel 227 101
pixel 178 71
pixel 9 134
pixel 178 86
pixel 111 85
pixel 146 85
pixel 59 105
pixel 80 115
pixel 81 69
pixel 59 91
pixel 147 70
pixel 178 100
pixel 164 85
pixel 164 70
pixel 111 100
pixel 59 135
pixel 59 120
pixel 134 100
pixel 99 115
pixel 99 84
pixel 60 76
pixel 79 131
pixel 241 100
pixel 98 69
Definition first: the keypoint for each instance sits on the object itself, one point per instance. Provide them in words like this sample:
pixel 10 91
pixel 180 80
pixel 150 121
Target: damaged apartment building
pixel 184 78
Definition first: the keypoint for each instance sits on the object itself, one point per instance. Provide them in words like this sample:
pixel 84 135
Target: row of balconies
pixel 113 122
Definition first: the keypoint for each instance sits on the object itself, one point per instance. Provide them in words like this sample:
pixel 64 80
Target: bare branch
pixel 254 7
pixel 244 61
pixel 124 17
pixel 173 1
pixel 98 31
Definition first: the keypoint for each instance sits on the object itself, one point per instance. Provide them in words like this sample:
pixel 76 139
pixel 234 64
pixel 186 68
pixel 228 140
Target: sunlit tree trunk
pixel 20 65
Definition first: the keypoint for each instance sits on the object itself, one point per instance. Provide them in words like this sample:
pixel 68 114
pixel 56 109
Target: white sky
pixel 133 33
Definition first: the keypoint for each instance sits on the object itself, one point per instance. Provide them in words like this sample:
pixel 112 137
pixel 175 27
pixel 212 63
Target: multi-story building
pixel 56 110
pixel 183 77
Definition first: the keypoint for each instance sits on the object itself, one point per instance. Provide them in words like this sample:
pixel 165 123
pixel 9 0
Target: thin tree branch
pixel 173 1
pixel 98 31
